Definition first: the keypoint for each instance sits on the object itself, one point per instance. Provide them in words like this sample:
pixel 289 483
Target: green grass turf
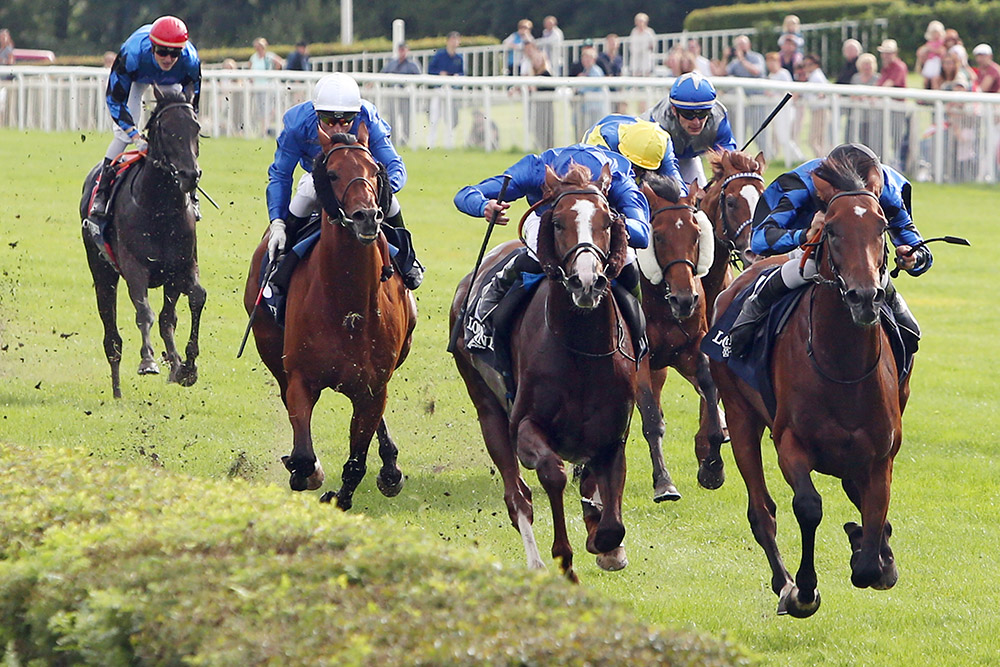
pixel 694 564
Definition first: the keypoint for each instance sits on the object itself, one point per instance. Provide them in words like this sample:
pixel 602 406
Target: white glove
pixel 276 240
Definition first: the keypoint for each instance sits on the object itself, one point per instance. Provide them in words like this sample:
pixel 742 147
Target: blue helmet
pixel 692 91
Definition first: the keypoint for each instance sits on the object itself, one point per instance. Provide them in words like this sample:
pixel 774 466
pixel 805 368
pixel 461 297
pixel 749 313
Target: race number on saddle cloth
pixel 646 145
pixel 696 122
pixel 518 274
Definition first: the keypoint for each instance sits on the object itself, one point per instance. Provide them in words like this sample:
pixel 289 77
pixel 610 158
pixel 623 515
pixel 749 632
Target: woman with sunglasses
pixel 157 53
pixel 336 105
pixel 696 122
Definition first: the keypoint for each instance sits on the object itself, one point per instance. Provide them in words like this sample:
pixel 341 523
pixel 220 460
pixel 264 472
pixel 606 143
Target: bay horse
pixel 575 376
pixel 680 252
pixel 839 401
pixel 153 240
pixel 345 328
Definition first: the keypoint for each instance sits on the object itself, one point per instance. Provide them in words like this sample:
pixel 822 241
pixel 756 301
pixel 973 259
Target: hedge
pixel 101 564
pixel 746 15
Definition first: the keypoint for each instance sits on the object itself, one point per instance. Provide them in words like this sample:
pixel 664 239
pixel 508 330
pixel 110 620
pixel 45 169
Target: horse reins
pixel 342 218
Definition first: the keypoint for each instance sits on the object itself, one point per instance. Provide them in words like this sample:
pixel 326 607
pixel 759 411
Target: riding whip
pixel 209 198
pixel 767 121
pixel 956 240
pixel 256 305
pixel 456 331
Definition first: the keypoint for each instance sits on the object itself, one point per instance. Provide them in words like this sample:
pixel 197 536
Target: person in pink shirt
pixel 989 71
pixel 894 70
pixel 893 75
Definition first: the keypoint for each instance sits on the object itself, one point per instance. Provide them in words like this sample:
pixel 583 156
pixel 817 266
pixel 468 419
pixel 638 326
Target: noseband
pixel 152 124
pixel 341 216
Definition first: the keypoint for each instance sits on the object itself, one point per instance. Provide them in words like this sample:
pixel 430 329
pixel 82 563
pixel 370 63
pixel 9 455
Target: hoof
pixel 664 492
pixel 186 375
pixel 344 501
pixel 571 575
pixel 391 483
pixel 711 475
pixel 890 575
pixel 299 480
pixel 789 604
pixel 613 560
pixel 327 497
pixel 608 538
pixel 149 368
pixel 315 480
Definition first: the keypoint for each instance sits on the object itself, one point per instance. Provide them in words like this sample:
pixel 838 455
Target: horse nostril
pixel 358 216
pixel 575 283
pixel 601 284
pixel 853 297
pixel 879 296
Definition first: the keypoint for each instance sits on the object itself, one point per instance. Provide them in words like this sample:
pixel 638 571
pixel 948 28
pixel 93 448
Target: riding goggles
pixel 691 114
pixel 337 117
pixel 167 52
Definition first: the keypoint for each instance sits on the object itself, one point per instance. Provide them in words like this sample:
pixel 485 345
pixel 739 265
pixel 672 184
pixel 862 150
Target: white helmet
pixel 337 92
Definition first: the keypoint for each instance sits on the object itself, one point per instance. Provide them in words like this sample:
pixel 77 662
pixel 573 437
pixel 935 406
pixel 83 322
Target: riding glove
pixel 276 240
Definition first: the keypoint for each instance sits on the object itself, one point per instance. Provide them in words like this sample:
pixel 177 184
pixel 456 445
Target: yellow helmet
pixel 643 143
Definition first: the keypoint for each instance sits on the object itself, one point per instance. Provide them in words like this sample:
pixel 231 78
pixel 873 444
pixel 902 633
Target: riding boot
pixel 628 295
pixel 482 324
pixel 97 217
pixel 766 292
pixel 411 268
pixel 901 311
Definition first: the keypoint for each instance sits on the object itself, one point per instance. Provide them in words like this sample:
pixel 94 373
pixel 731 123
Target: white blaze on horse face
pixel 750 193
pixel 586 263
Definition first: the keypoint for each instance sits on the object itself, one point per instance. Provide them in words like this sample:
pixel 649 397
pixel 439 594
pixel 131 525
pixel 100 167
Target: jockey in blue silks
pixel 786 218
pixel 527 179
pixel 696 121
pixel 646 145
pixel 336 103
pixel 158 53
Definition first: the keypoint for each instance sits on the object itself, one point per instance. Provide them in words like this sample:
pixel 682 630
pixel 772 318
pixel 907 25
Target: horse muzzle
pixel 366 223
pixel 682 306
pixel 864 304
pixel 188 179
pixel 587 291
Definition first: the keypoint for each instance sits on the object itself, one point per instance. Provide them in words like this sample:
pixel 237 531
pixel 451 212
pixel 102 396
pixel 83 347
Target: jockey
pixel 696 121
pixel 336 104
pixel 646 145
pixel 786 218
pixel 158 53
pixel 527 178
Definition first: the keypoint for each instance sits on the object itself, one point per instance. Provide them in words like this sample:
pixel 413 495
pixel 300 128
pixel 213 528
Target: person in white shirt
pixel 551 42
pixel 641 47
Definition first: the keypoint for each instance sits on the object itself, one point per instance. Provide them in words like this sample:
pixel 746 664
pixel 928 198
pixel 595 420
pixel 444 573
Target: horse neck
pixel 356 266
pixel 154 184
pixel 593 331
pixel 838 343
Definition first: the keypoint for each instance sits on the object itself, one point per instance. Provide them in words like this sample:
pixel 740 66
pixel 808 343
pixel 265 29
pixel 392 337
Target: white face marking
pixel 750 193
pixel 586 264
pixel 679 224
pixel 859 211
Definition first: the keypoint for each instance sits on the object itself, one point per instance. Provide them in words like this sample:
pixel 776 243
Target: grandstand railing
pixel 930 135
pixel 824 39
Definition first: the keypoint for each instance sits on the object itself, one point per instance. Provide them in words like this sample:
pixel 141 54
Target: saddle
pixel 754 367
pixel 123 163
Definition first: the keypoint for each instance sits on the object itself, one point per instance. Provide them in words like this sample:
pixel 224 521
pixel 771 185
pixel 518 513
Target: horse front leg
pixel 648 402
pixel 802 599
pixel 710 436
pixel 187 374
pixel 144 317
pixel 168 324
pixel 106 288
pixel 390 477
pixel 536 453
pixel 602 487
pixel 872 561
pixel 306 472
pixel 365 420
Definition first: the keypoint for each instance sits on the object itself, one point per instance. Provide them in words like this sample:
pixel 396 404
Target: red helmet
pixel 169 31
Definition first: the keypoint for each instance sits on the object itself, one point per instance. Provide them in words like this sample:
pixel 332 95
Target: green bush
pixel 101 564
pixel 744 15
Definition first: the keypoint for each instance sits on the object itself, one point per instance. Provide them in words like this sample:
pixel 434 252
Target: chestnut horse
pixel 839 401
pixel 572 361
pixel 345 328
pixel 153 241
pixel 680 252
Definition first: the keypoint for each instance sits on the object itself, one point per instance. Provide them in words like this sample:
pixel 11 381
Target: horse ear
pixel 362 134
pixel 761 160
pixel 551 182
pixel 824 190
pixel 604 180
pixel 324 138
pixel 158 93
pixel 694 191
pixel 189 93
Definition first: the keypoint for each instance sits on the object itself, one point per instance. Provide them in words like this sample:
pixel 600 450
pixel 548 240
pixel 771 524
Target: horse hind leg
pixel 106 289
pixel 144 317
pixel 390 477
pixel 650 386
pixel 187 374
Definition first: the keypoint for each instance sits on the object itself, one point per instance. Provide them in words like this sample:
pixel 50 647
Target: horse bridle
pixel 167 167
pixel 342 218
pixel 731 237
pixel 586 246
pixel 694 269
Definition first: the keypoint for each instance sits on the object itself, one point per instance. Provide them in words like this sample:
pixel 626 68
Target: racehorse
pixel 575 376
pixel 839 402
pixel 680 252
pixel 345 328
pixel 153 240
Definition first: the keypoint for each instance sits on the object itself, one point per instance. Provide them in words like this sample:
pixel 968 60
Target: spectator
pixel 963 64
pixel 6 48
pixel 702 65
pixel 591 108
pixel 264 107
pixel 398 107
pixel 951 38
pixel 789 53
pixel 989 71
pixel 609 60
pixel 515 45
pixel 527 50
pixel 542 116
pixel 551 42
pixel 851 51
pixel 109 59
pixel 865 117
pixel 445 62
pixel 893 75
pixel 262 59
pixel 642 47
pixel 679 61
pixel 953 77
pixel 929 55
pixel 780 130
pixel 745 61
pixel 298 59
pixel 791 27
pixel 818 119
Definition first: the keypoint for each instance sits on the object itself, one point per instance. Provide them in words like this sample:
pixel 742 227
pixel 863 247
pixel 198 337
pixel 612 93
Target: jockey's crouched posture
pixel 646 145
pixel 158 53
pixel 786 217
pixel 527 180
pixel 336 104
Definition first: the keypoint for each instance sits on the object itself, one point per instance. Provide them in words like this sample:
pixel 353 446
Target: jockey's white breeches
pixel 692 170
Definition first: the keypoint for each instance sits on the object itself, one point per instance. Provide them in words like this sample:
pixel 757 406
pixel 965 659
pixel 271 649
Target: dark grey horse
pixel 152 238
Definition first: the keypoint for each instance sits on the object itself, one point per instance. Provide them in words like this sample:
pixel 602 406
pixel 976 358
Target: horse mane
pixel 664 187
pixel 846 173
pixel 739 162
